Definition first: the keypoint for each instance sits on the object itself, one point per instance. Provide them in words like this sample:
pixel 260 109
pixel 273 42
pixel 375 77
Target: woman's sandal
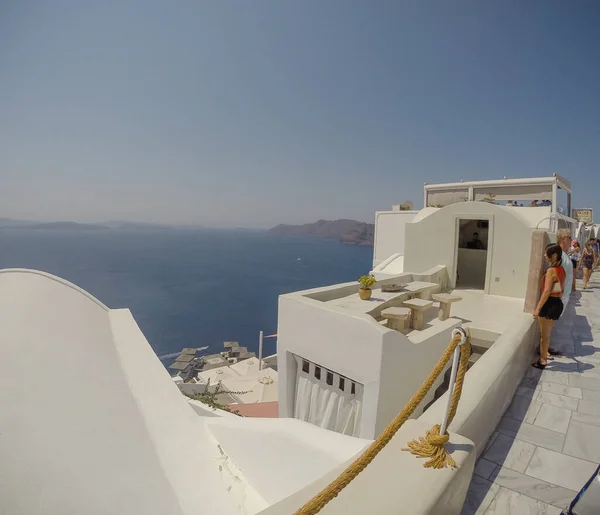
pixel 554 352
pixel 539 365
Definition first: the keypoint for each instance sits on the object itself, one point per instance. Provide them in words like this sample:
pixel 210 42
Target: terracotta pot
pixel 364 294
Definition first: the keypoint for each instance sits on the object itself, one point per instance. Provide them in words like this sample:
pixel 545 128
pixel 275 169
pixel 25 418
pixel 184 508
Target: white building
pixel 342 368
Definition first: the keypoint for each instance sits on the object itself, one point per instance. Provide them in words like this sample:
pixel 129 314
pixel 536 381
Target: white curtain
pixel 327 405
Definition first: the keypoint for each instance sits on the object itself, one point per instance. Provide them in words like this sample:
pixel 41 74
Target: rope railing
pixel 431 446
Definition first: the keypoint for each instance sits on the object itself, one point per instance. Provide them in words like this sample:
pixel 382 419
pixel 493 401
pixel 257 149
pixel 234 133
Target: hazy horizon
pixel 236 114
pixel 175 224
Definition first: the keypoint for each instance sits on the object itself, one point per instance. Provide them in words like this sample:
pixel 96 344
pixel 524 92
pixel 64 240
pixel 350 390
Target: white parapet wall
pixel 395 482
pixel 491 383
pixel 389 365
pixel 432 239
pixel 389 234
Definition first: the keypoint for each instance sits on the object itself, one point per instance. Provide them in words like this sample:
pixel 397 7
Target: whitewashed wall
pixel 432 241
pixel 389 233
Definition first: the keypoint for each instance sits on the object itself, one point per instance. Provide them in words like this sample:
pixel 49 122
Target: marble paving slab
pixel 585 418
pixel 589 383
pixel 507 502
pixel 479 496
pixel 484 468
pixel 533 487
pixel 559 469
pixel 510 452
pixel 555 399
pixel 532 434
pixel 529 393
pixel 522 408
pixel 591 395
pixel 548 376
pixel 583 441
pixel 554 418
pixel 589 407
pixel 561 389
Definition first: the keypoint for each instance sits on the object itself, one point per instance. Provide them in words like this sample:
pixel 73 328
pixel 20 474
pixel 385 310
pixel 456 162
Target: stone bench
pixel 397 317
pixel 422 289
pixel 418 308
pixel 445 300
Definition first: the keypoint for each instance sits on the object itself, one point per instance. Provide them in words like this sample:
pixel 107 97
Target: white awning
pixel 517 192
pixel 446 197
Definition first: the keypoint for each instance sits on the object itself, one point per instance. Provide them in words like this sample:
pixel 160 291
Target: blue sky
pixel 239 113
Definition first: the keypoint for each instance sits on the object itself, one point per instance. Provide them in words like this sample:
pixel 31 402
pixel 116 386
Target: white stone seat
pixel 418 308
pixel 396 317
pixel 446 300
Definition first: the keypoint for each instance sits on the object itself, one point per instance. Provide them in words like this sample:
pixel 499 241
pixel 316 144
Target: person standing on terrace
pixel 587 262
pixel 550 306
pixel 575 255
pixel 563 239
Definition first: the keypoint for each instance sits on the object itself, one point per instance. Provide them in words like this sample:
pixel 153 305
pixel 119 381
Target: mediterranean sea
pixel 188 288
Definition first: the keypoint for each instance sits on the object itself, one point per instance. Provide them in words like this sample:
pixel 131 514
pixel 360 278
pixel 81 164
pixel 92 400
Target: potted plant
pixel 366 281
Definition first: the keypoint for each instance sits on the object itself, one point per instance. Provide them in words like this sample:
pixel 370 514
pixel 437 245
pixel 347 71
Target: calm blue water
pixel 189 288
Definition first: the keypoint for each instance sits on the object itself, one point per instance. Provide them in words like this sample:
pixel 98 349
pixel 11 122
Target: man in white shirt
pixel 563 238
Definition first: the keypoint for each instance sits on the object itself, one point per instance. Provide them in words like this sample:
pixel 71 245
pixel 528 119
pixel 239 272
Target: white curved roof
pixel 530 216
pixel 424 213
pixel 87 416
pixel 91 422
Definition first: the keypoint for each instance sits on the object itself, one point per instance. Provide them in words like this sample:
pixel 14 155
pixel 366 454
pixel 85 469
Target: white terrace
pixel 335 349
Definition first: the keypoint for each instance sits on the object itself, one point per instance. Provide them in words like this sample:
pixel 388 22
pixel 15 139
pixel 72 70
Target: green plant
pixel 366 281
pixel 211 398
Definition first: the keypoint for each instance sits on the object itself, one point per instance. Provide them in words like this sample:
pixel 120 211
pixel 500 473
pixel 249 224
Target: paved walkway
pixel 547 445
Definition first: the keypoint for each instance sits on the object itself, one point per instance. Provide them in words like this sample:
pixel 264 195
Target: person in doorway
pixel 587 262
pixel 550 306
pixel 575 255
pixel 475 242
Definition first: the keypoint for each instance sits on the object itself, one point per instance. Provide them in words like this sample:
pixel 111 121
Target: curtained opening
pixel 327 399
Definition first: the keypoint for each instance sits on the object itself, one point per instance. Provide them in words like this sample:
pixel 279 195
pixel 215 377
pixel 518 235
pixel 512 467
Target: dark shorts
pixel 552 309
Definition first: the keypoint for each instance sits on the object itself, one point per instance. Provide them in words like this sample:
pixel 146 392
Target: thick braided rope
pixel 432 445
pixel 318 502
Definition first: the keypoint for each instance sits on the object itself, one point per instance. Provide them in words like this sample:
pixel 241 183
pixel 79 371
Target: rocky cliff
pixel 346 231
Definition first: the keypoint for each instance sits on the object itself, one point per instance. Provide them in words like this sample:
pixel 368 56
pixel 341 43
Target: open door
pixel 472 255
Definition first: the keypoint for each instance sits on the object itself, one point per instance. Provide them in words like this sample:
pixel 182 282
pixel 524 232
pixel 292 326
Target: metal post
pixel 463 339
pixel 260 350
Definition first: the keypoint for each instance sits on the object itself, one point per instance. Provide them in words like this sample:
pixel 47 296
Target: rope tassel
pixel 432 446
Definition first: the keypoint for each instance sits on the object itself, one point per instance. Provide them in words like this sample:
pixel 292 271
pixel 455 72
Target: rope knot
pixel 432 446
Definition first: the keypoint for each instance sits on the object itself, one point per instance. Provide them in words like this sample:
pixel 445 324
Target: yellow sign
pixel 585 216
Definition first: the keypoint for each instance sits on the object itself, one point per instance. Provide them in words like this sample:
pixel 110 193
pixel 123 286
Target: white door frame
pixel 490 245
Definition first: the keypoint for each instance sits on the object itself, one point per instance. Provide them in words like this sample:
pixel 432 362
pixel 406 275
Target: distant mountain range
pixel 8 223
pixel 345 231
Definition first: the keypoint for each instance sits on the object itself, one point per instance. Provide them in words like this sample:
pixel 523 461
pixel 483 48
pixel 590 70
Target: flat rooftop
pixel 490 312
